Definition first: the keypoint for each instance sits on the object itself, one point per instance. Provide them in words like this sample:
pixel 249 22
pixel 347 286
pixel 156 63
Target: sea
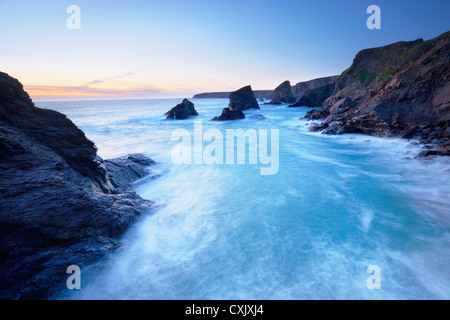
pixel 341 217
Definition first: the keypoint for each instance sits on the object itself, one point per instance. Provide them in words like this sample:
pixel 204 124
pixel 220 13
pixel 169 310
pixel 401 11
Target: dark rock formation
pixel 299 90
pixel 283 94
pixel 182 111
pixel 243 99
pixel 257 117
pixel 314 97
pixel 60 203
pixel 228 114
pixel 259 94
pixel 125 170
pixel 401 89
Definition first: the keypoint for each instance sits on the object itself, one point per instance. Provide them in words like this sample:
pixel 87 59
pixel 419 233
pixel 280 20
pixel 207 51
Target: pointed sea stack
pixel 243 99
pixel 182 111
pixel 283 94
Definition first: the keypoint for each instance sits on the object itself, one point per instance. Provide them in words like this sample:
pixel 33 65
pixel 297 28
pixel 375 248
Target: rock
pixel 315 127
pixel 60 203
pixel 300 88
pixel 314 97
pixel 140 159
pixel 243 99
pixel 125 170
pixel 332 129
pixel 182 111
pixel 444 148
pixel 283 94
pixel 261 99
pixel 257 117
pixel 228 114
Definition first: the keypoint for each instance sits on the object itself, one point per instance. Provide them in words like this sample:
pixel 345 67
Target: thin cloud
pixel 84 91
pixel 102 80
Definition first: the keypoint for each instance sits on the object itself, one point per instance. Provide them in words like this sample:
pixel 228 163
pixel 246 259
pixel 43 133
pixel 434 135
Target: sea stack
pixel 228 114
pixel 283 94
pixel 243 99
pixel 181 111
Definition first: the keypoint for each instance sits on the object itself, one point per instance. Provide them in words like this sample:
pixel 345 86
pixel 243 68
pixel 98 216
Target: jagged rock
pixel 182 111
pixel 314 97
pixel 257 117
pixel 125 170
pixel 315 127
pixel 59 204
pixel 283 94
pixel 228 114
pixel 243 99
pixel 299 90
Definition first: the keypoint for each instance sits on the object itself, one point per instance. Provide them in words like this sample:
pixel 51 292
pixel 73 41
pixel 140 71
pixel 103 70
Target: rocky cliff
pixel 300 88
pixel 402 89
pixel 60 203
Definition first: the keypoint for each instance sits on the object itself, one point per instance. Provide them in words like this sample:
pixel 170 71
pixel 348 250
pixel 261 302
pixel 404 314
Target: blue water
pixel 337 205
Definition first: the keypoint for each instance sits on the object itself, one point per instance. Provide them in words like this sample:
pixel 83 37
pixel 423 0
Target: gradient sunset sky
pixel 155 49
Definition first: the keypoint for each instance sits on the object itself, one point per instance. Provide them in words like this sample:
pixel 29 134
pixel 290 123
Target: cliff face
pixel 398 90
pixel 300 88
pixel 58 202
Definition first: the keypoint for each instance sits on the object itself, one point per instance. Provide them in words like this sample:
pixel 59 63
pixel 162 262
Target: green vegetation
pixel 366 77
pixel 323 91
pixel 386 75
pixel 415 44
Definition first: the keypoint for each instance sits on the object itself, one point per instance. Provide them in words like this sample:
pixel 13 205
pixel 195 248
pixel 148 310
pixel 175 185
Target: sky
pixel 161 49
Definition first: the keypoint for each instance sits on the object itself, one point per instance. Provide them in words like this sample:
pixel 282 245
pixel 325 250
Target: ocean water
pixel 337 205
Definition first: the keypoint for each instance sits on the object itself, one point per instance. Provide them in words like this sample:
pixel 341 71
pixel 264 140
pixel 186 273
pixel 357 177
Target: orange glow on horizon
pixel 61 92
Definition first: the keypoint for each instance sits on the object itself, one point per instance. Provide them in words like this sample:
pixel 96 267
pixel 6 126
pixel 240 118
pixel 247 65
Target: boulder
pixel 257 117
pixel 228 114
pixel 181 111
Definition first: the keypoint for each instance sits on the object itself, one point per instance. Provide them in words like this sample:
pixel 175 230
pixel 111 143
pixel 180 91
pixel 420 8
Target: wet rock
pixel 228 114
pixel 314 97
pixel 257 117
pixel 181 111
pixel 60 203
pixel 243 99
pixel 125 170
